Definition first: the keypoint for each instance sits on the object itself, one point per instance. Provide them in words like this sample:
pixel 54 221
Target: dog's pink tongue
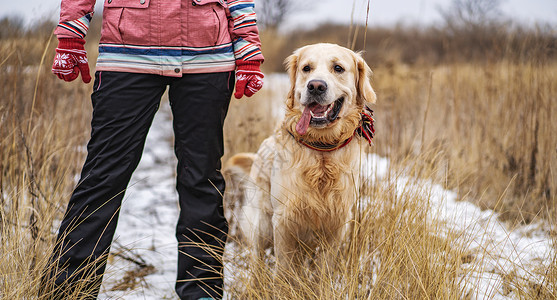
pixel 303 123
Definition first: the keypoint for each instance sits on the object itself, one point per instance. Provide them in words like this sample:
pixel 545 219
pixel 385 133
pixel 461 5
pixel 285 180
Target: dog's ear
pixel 291 64
pixel 366 94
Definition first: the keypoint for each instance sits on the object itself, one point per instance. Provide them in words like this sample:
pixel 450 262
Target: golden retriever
pixel 298 191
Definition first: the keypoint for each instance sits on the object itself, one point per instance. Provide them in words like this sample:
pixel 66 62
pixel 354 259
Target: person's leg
pixel 124 105
pixel 199 105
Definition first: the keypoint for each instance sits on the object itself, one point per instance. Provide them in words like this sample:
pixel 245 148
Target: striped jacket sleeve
pixel 75 16
pixel 244 32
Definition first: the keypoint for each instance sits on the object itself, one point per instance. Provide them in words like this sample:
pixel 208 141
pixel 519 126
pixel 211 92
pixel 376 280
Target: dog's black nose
pixel 317 87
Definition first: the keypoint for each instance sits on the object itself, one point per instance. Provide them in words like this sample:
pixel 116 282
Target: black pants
pixel 124 105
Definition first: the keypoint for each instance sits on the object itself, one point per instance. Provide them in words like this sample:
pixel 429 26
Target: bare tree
pixel 272 13
pixel 472 13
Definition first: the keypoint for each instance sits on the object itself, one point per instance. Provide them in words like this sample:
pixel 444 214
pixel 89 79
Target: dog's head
pixel 330 85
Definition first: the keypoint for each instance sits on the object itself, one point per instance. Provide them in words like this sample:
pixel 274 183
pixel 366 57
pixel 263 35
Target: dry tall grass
pixel 480 127
pixel 43 126
pixel 489 126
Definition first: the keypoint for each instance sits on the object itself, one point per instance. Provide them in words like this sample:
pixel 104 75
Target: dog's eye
pixel 338 69
pixel 306 68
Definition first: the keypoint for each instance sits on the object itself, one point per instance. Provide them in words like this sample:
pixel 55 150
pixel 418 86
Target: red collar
pixel 365 130
pixel 321 146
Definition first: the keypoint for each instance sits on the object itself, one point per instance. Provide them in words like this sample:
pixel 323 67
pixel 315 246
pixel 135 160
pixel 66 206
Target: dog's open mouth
pixel 318 115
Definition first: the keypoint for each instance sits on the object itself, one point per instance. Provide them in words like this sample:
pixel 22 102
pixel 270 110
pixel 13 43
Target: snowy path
pixel 148 217
pixel 150 211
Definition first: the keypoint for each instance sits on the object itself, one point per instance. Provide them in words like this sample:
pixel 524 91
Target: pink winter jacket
pixel 168 37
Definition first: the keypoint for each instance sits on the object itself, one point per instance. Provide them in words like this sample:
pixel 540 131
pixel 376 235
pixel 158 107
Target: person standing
pixel 200 50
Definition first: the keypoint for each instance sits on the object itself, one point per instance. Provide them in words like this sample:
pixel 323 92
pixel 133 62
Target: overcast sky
pixel 382 12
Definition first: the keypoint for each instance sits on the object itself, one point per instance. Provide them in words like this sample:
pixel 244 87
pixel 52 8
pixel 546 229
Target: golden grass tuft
pixel 489 126
pixel 43 126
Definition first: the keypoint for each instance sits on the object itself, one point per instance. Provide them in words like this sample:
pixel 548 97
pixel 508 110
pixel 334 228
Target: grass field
pixel 478 122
